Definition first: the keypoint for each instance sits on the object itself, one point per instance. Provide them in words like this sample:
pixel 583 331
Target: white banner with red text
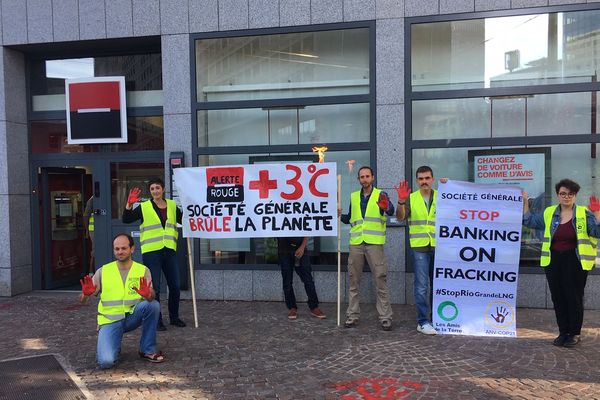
pixel 258 200
pixel 478 244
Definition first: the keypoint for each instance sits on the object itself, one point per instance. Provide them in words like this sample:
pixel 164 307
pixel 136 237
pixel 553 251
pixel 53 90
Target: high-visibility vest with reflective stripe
pixel 152 234
pixel 117 298
pixel 421 223
pixel 586 245
pixel 91 223
pixel 371 228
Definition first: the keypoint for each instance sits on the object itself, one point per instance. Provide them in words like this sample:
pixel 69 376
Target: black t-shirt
pixel 286 245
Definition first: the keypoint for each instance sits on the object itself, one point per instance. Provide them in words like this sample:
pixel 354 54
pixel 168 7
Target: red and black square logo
pixel 96 111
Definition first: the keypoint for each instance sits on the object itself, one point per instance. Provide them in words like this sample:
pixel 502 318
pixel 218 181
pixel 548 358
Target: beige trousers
pixel 375 256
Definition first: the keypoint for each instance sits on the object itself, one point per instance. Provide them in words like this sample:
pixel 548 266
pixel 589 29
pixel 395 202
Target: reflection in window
pixel 505 116
pixel 143 133
pixel 284 125
pixel 142 72
pixel 506 51
pixel 328 63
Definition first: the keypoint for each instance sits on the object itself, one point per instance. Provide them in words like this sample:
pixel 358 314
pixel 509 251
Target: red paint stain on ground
pixel 377 388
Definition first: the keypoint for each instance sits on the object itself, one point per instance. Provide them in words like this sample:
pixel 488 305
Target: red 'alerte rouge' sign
pixel 225 184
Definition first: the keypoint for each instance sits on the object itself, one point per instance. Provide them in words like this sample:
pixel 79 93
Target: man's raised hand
pixel 383 202
pixel 134 196
pixel 403 191
pixel 594 205
pixel 87 286
pixel 144 289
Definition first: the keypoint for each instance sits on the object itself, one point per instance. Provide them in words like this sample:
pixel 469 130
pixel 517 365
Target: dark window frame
pixel 410 96
pixel 196 106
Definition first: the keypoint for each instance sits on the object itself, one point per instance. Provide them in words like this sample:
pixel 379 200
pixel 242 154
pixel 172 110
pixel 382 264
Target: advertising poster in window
pixel 524 168
pixel 478 243
pixel 258 200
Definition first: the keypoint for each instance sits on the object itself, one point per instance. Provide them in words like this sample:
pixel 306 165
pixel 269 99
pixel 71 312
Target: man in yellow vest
pixel 158 239
pixel 367 217
pixel 126 302
pixel 418 209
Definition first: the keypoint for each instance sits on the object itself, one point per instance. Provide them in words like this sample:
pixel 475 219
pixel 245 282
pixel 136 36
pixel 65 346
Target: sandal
pixel 153 358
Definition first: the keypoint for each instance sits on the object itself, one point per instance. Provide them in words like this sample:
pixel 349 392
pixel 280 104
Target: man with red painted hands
pixel 126 302
pixel 418 209
pixel 367 216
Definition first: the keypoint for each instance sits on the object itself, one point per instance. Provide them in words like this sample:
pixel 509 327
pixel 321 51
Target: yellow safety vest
pixel 117 298
pixel 371 229
pixel 152 234
pixel 91 223
pixel 421 223
pixel 586 245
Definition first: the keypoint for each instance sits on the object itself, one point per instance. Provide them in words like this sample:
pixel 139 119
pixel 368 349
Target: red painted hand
pixel 87 286
pixel 144 289
pixel 134 196
pixel 383 202
pixel 594 204
pixel 403 191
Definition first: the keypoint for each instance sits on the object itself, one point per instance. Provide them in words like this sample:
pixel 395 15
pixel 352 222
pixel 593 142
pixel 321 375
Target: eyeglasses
pixel 565 195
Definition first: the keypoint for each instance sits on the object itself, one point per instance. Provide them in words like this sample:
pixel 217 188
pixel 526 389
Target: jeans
pixel 304 271
pixel 110 335
pixel 375 256
pixel 423 266
pixel 166 260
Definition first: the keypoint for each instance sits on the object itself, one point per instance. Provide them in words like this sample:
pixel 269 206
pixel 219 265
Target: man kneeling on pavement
pixel 126 302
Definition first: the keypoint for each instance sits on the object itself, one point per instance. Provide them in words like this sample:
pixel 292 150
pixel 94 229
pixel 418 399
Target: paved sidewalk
pixel 246 350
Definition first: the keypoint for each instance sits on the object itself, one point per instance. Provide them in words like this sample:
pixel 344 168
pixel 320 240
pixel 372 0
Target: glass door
pixel 71 214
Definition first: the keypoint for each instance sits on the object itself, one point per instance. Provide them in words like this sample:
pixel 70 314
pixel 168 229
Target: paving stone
pixel 249 350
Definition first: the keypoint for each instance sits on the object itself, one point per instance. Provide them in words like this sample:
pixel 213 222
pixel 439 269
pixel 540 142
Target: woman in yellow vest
pixel 568 253
pixel 158 240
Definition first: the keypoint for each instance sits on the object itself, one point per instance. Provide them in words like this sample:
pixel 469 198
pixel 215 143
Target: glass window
pixel 143 78
pixel 262 251
pixel 284 125
pixel 506 116
pixel 126 175
pixel 506 51
pixel 144 133
pixel 454 163
pixel 308 64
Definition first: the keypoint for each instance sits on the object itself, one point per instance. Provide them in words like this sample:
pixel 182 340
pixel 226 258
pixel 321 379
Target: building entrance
pixel 78 213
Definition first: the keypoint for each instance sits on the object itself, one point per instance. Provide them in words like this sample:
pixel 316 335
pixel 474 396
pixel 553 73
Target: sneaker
pixel 293 314
pixel 178 322
pixel 316 312
pixel 426 329
pixel 350 322
pixel 386 325
pixel 160 326
pixel 571 340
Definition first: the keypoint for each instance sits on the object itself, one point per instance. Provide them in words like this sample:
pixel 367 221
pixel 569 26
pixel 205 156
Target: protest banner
pixel 478 234
pixel 258 200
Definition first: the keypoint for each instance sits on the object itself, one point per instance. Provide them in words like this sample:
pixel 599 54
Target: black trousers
pixel 304 271
pixel 567 282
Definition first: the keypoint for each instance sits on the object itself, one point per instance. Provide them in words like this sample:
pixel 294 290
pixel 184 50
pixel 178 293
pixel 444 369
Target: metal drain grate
pixel 40 377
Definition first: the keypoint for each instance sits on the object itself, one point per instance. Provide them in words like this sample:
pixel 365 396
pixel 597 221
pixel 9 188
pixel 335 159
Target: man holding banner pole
pixel 418 209
pixel 367 217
